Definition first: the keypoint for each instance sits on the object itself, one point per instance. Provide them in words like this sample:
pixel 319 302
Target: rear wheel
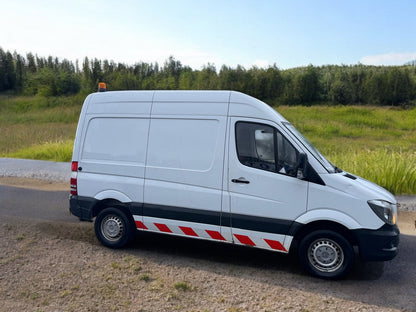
pixel 326 254
pixel 113 228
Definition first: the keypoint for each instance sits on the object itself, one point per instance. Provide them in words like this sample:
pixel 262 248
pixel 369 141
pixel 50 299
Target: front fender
pixel 329 215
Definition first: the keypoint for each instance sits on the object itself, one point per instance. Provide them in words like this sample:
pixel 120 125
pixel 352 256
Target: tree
pixel 399 86
pixel 207 78
pixel 305 84
pixel 31 63
pixel 341 91
pixel 7 71
pixel 20 72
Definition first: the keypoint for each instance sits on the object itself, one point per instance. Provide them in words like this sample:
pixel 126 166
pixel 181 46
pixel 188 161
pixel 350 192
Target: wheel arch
pixel 111 202
pixel 111 198
pixel 305 229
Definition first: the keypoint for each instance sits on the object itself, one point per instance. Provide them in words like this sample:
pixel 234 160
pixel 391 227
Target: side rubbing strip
pixel 275 245
pixel 243 239
pixel 163 228
pixel 215 235
pixel 245 222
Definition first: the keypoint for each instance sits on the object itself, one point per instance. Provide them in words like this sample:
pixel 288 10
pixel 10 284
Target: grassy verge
pixel 55 151
pixel 376 143
pixel 395 171
pixel 37 127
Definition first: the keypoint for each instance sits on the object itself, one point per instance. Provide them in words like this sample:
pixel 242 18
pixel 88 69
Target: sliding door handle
pixel 240 180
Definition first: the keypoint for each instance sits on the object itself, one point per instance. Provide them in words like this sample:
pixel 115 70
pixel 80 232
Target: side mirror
pixel 302 163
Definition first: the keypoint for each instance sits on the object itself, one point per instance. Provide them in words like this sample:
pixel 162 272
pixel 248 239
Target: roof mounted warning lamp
pixel 102 87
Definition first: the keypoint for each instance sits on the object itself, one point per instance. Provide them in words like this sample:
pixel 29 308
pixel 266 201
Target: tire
pixel 326 254
pixel 113 228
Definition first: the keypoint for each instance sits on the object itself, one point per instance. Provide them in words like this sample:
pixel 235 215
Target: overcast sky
pixel 288 33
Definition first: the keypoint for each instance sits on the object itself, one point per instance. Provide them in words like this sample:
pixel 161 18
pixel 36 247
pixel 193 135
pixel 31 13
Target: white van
pixel 222 166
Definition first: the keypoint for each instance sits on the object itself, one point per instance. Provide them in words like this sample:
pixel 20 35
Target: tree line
pixel 330 84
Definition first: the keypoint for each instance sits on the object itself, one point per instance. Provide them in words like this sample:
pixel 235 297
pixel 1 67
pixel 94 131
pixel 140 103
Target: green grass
pixel 395 171
pixel 37 127
pixel 56 151
pixel 182 286
pixel 377 143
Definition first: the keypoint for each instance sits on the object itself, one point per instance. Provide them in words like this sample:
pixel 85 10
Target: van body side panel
pixel 184 168
pixel 112 150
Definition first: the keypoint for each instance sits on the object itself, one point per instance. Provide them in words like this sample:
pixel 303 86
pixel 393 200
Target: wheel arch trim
pixel 113 194
pixel 328 215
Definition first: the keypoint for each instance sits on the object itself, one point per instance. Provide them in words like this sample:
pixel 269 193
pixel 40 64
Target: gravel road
pixel 61 172
pixel 51 262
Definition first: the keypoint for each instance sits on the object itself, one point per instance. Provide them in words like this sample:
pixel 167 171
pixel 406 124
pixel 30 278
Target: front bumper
pixel 378 245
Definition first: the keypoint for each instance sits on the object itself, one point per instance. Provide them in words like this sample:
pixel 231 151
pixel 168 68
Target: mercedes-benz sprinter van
pixel 222 166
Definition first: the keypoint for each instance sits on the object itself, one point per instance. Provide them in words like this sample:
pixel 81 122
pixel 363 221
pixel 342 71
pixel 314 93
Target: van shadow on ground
pixel 387 284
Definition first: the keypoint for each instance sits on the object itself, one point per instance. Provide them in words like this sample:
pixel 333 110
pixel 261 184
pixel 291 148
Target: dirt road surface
pixel 49 261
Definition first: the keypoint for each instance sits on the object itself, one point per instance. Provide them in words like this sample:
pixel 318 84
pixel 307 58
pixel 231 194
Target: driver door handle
pixel 240 180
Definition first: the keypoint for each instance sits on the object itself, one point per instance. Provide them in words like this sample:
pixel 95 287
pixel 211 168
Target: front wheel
pixel 113 228
pixel 326 254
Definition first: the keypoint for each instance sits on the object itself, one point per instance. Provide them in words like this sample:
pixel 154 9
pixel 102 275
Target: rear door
pixel 112 159
pixel 265 194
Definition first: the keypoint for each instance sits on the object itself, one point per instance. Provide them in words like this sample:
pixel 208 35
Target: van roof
pixel 180 102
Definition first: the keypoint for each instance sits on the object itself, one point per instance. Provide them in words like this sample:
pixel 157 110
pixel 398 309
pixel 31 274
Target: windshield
pixel 312 149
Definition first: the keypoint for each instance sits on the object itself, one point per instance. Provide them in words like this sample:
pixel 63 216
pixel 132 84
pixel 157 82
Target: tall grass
pixel 28 123
pixel 376 143
pixel 55 151
pixel 395 171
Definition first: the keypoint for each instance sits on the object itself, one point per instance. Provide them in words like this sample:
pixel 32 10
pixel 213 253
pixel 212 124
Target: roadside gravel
pixel 60 172
pixel 35 169
pixel 60 266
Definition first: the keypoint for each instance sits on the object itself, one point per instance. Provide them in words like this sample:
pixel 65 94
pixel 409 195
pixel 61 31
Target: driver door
pixel 265 194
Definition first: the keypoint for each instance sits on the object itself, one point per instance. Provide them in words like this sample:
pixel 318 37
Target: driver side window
pixel 263 147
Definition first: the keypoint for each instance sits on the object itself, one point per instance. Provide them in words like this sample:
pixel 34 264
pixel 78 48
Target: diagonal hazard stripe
pixel 163 227
pixel 140 225
pixel 243 239
pixel 275 244
pixel 188 231
pixel 215 235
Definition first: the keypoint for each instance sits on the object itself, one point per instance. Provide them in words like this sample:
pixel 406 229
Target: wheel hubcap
pixel 112 228
pixel 325 255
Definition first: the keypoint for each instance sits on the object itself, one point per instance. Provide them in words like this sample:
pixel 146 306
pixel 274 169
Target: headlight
pixel 384 210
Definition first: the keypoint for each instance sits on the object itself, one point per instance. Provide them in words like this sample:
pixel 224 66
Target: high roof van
pixel 226 167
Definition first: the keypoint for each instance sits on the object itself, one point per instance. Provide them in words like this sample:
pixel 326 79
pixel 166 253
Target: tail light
pixel 74 174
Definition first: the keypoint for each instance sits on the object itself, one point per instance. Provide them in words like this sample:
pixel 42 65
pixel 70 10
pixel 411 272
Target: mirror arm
pixel 301 171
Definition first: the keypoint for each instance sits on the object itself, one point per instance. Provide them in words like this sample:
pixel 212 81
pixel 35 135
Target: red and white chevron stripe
pixel 242 237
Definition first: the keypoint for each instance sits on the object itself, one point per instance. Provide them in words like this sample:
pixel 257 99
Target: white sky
pixel 246 32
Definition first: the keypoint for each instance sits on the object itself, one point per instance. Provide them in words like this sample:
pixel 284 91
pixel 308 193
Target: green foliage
pixel 182 286
pixel 145 278
pixel 346 85
pixel 395 171
pixel 55 151
pixel 349 135
pixel 377 144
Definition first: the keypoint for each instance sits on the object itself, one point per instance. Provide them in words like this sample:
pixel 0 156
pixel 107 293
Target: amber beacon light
pixel 102 87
